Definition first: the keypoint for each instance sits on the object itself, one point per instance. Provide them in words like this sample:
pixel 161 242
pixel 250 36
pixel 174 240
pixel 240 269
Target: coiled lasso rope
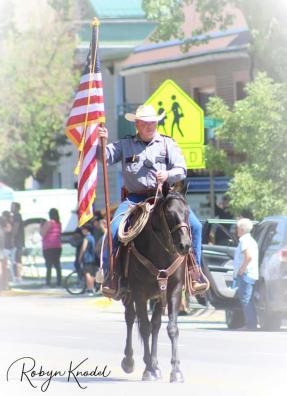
pixel 126 236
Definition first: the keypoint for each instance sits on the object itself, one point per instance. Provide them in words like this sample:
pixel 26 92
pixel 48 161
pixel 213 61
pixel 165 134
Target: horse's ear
pixel 165 189
pixel 180 187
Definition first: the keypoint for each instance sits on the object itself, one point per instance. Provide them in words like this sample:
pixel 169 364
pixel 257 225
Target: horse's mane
pixel 173 195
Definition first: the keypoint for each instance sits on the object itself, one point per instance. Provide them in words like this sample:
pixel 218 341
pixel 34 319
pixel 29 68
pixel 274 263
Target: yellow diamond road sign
pixel 183 121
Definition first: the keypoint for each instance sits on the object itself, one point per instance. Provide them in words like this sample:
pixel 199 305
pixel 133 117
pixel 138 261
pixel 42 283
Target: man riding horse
pixel 148 159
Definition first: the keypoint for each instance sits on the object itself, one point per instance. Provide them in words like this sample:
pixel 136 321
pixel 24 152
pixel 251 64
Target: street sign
pixel 183 121
pixel 212 123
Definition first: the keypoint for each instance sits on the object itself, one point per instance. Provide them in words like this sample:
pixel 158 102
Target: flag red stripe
pixel 87 100
pixel 81 118
pixel 85 202
pixel 75 135
pixel 90 141
pixel 86 174
pixel 90 84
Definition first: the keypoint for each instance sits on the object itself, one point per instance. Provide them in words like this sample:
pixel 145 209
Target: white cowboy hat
pixel 145 113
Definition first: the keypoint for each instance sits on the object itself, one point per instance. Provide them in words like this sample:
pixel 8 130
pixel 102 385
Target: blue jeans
pixel 135 198
pixel 245 290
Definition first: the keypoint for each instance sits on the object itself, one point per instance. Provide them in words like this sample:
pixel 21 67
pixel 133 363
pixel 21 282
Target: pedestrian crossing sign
pixel 183 121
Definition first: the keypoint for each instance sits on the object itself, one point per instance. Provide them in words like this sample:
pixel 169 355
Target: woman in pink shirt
pixel 51 243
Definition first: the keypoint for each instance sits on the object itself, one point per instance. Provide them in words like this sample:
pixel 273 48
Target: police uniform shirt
pixel 141 160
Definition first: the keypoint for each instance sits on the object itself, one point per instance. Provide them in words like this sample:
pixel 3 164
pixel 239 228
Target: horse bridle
pixel 169 231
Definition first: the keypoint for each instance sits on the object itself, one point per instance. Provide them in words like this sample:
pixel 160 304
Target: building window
pixel 202 95
pixel 240 90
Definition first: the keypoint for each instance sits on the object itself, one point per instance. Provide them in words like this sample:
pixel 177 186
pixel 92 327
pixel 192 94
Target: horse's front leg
pixel 128 361
pixel 145 331
pixel 172 330
pixel 156 324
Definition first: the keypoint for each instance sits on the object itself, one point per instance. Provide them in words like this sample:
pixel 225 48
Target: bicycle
pixel 75 283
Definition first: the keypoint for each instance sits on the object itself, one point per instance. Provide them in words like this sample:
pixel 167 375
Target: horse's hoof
pixel 157 374
pixel 128 365
pixel 148 376
pixel 176 377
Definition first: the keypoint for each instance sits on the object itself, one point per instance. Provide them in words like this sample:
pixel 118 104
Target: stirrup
pixel 111 293
pixel 112 289
pixel 199 287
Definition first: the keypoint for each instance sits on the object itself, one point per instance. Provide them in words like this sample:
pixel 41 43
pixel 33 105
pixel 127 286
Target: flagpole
pixel 107 204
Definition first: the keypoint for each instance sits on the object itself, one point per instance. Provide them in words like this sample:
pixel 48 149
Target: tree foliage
pixel 257 127
pixel 37 81
pixel 266 20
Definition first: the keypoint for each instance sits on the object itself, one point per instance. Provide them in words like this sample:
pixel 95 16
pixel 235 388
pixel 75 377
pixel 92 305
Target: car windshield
pixel 219 232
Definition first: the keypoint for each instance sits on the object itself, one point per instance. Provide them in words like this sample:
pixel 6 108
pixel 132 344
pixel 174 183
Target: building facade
pixel 134 67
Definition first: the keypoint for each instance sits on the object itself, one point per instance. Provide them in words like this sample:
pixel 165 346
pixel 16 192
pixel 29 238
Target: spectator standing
pixel 87 257
pixel 246 271
pixel 76 241
pixel 17 239
pixel 3 259
pixel 222 210
pixel 51 244
pixel 7 224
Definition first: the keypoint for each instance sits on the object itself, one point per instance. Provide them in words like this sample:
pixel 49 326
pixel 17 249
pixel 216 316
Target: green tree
pixel 37 81
pixel 266 20
pixel 257 128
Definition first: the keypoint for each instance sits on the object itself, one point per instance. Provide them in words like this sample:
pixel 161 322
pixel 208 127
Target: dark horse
pixel 164 241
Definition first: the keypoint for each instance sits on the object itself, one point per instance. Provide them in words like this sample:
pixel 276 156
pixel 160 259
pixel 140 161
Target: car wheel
pixel 234 318
pixel 268 321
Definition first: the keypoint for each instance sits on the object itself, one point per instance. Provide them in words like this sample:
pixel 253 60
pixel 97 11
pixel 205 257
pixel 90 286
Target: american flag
pixel 82 127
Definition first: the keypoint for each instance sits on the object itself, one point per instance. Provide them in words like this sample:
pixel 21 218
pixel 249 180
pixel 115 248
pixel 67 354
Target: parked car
pixel 270 291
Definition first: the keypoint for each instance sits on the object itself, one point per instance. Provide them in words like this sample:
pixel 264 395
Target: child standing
pixel 87 257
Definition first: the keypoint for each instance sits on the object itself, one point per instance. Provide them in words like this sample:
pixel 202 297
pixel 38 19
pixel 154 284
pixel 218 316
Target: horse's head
pixel 171 219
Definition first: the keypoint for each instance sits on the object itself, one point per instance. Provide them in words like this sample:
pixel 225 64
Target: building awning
pixel 118 9
pixel 117 39
pixel 202 184
pixel 123 27
pixel 150 56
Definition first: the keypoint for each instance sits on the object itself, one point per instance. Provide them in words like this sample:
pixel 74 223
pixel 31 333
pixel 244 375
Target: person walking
pixel 51 244
pixel 246 271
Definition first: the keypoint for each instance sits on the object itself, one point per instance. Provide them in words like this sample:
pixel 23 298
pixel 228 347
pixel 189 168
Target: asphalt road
pixel 52 329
